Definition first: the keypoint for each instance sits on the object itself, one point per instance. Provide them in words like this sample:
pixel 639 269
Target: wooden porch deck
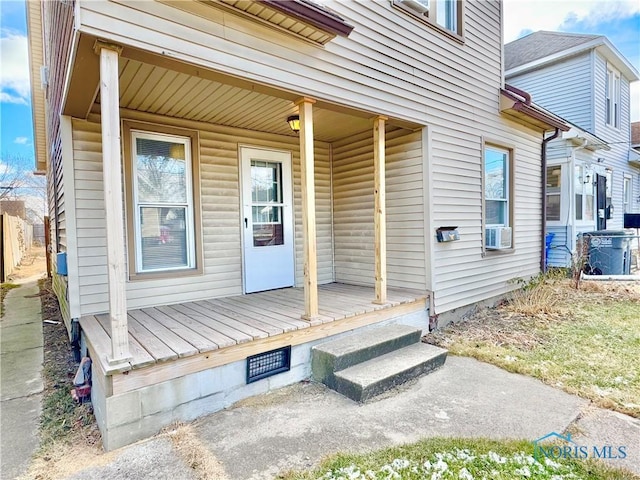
pixel 168 333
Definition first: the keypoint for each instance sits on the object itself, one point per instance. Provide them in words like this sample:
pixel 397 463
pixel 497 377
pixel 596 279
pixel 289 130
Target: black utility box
pixel 632 220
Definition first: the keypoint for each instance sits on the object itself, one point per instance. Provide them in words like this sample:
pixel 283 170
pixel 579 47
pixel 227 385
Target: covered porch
pixel 174 344
pixel 169 341
pixel 130 100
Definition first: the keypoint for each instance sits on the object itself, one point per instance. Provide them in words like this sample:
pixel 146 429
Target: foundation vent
pixel 264 365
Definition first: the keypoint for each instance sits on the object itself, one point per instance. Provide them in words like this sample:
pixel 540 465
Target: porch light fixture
pixel 294 123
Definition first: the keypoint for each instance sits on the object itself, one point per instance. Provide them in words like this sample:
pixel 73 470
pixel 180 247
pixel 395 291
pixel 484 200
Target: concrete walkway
pixel 297 426
pixel 21 357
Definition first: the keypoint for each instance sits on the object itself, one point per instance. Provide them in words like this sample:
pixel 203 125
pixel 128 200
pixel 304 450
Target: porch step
pixel 365 380
pixel 336 355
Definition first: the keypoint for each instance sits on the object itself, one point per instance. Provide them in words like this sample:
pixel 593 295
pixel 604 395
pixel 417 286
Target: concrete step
pixel 333 356
pixel 365 380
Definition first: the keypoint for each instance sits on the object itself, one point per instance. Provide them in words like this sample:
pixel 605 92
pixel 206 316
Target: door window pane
pixel 266 208
pixel 268 234
pixel 266 182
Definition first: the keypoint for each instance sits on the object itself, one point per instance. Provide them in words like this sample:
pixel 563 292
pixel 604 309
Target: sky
pixel 618 20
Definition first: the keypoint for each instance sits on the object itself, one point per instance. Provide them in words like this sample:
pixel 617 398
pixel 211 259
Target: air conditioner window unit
pixel 497 238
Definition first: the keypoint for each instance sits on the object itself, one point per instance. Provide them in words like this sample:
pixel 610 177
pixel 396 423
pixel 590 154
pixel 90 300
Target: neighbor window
pixel 626 195
pixel 553 193
pixel 612 98
pixel 161 207
pixel 583 185
pixel 446 14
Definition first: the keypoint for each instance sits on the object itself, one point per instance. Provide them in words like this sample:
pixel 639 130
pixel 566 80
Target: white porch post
pixel 305 106
pixel 112 178
pixel 379 205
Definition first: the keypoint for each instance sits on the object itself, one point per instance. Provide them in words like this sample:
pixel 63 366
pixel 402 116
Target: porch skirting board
pixel 140 413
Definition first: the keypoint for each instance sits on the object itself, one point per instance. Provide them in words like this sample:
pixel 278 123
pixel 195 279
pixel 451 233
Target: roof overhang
pixel 601 44
pixel 634 158
pixel 517 104
pixel 302 18
pixel 36 61
pixel 584 139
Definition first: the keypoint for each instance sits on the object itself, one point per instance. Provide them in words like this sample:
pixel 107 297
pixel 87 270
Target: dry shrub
pixel 535 300
pixel 491 326
pixel 65 460
pixel 196 455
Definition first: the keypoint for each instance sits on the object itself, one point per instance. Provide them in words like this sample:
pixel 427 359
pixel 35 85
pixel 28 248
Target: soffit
pixel 299 17
pixel 36 61
pixel 158 90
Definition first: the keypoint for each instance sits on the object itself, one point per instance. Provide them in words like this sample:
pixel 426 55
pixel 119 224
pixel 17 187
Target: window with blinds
pixel 163 202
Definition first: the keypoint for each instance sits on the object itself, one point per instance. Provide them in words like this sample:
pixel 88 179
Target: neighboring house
pixel 634 154
pixel 593 177
pixel 178 188
pixel 635 136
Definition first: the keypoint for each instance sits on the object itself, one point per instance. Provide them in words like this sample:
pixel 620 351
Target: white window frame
pixel 188 205
pixel 507 181
pixel 627 193
pixel 612 97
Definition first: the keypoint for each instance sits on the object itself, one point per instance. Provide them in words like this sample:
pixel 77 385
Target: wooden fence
pixel 16 238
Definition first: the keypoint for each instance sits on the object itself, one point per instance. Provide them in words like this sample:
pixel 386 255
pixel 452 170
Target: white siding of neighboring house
pixel 563 87
pixel 618 138
pixel 419 75
pixel 559 152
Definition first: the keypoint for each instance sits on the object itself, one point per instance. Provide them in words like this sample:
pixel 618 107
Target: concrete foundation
pixel 132 416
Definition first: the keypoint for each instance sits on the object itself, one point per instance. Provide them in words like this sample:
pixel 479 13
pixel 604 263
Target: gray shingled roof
pixel 541 44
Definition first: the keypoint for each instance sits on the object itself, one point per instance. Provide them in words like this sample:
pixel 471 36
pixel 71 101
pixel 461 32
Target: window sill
pixel 496 253
pixel 166 274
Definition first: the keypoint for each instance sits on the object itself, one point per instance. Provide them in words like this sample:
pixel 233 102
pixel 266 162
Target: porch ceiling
pixel 155 89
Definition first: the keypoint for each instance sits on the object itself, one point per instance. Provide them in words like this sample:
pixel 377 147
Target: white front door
pixel 267 220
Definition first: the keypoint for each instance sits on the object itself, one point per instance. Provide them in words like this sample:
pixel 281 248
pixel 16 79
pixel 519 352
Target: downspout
pixel 543 157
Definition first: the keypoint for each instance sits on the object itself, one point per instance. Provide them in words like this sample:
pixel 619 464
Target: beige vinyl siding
pixel 220 203
pixel 324 229
pixel 462 275
pixel 353 210
pixel 393 65
pixel 374 68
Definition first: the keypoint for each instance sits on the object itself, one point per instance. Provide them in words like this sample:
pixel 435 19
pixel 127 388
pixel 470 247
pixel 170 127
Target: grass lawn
pixel 586 342
pixel 466 459
pixel 4 289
